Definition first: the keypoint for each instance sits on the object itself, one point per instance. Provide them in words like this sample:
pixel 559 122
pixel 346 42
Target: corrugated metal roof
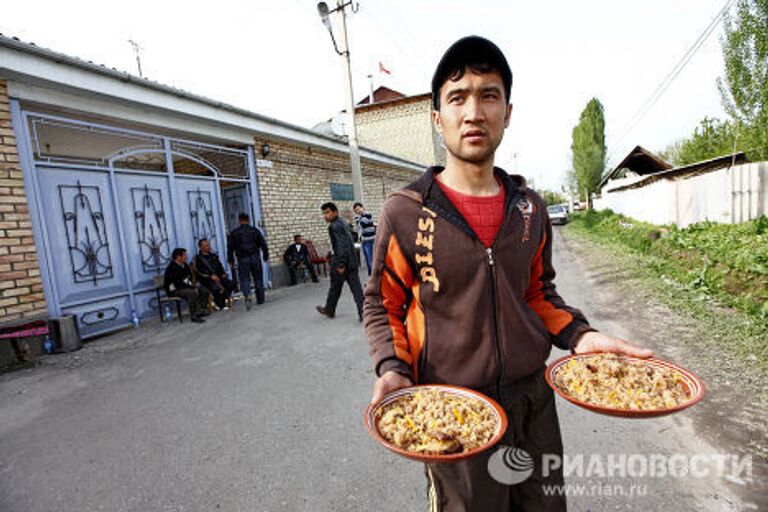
pixel 694 169
pixel 640 161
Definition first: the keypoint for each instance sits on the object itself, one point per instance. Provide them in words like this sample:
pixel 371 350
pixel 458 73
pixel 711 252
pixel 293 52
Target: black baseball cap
pixel 474 52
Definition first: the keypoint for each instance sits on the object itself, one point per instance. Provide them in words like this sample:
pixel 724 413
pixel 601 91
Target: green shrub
pixel 725 261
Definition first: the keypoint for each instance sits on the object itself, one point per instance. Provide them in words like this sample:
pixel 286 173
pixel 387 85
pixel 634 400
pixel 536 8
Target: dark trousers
pixel 250 267
pixel 293 268
pixel 195 297
pixel 337 283
pixel 221 291
pixel 534 428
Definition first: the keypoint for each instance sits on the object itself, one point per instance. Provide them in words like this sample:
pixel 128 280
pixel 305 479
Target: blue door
pixel 82 233
pixel 236 200
pixel 148 233
pixel 199 215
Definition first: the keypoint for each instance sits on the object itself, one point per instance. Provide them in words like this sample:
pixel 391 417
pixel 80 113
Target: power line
pixel 409 34
pixel 671 76
pixel 407 49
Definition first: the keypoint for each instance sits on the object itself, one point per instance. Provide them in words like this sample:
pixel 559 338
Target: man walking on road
pixel 366 228
pixel 343 263
pixel 462 288
pixel 244 243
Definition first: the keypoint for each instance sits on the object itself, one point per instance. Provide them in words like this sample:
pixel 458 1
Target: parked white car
pixel 558 214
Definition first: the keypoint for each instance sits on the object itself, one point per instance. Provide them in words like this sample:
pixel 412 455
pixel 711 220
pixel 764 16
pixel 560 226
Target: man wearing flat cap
pixel 462 288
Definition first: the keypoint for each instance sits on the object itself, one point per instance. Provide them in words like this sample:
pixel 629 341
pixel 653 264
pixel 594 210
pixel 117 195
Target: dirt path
pixel 731 420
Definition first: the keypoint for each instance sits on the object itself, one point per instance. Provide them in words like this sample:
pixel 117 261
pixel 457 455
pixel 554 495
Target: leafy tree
pixel 588 148
pixel 711 138
pixel 744 89
pixel 552 198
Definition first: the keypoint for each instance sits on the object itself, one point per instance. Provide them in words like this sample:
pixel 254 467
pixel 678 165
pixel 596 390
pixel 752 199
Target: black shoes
pixel 324 312
pixel 248 304
pixel 198 320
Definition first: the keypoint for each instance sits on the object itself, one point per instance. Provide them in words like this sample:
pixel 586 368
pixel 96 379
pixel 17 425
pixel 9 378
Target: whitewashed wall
pixel 731 195
pixel 650 203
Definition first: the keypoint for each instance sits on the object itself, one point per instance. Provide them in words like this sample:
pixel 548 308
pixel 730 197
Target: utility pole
pixel 354 150
pixel 137 50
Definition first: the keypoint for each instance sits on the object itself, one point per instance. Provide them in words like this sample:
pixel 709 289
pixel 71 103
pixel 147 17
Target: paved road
pixel 613 306
pixel 262 411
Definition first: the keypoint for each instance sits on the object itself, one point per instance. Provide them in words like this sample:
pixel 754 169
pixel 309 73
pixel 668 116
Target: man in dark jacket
pixel 343 263
pixel 244 243
pixel 296 255
pixel 178 282
pixel 210 274
pixel 462 289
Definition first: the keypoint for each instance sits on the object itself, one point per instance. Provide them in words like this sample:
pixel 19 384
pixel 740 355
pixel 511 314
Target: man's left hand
pixel 601 342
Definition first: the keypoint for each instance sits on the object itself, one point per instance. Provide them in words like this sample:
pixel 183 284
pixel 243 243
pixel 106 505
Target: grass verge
pixel 715 273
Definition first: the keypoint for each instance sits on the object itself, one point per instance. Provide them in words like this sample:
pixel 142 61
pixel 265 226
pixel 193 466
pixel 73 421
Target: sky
pixel 276 58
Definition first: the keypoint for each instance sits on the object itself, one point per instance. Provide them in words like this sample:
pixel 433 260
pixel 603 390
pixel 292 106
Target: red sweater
pixel 483 213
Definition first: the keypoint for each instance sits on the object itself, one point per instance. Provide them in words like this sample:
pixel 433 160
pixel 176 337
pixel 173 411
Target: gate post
pixel 31 187
pixel 256 206
pixel 172 188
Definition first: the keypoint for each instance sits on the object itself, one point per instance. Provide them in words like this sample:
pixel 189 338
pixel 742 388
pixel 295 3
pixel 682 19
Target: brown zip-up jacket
pixel 441 308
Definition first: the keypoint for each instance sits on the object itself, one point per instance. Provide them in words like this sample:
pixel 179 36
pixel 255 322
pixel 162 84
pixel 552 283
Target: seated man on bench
pixel 210 273
pixel 178 282
pixel 295 255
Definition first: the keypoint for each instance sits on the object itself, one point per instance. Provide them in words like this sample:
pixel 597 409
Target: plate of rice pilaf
pixel 436 423
pixel 622 385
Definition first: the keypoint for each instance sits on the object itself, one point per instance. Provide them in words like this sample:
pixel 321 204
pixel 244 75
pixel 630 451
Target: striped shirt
pixel 366 228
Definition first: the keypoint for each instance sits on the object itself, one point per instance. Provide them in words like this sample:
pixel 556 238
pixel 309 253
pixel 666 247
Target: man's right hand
pixel 387 383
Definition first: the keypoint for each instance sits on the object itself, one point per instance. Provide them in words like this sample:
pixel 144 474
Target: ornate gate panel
pixel 200 215
pixel 235 202
pixel 83 237
pixel 145 206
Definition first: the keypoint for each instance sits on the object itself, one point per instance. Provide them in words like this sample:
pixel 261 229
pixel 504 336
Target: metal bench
pixel 162 301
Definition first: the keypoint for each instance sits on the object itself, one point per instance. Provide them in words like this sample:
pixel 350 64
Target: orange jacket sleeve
pixel 387 297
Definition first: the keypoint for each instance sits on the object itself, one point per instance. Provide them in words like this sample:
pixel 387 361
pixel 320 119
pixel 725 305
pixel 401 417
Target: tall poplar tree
pixel 588 148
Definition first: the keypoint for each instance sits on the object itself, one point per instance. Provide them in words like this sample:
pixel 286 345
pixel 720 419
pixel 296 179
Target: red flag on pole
pixel 382 69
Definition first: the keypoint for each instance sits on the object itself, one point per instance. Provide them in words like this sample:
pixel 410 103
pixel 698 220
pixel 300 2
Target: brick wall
pixel 298 182
pixel 21 291
pixel 403 128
